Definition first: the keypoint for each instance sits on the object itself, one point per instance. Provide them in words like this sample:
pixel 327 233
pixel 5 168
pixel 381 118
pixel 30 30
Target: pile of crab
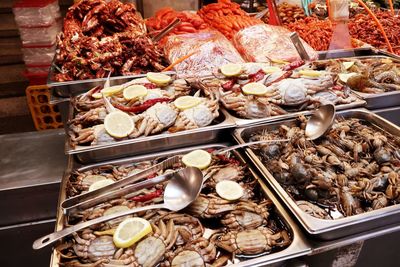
pixel 152 113
pixel 211 230
pixel 352 169
pixel 101 37
pixel 369 75
pixel 288 88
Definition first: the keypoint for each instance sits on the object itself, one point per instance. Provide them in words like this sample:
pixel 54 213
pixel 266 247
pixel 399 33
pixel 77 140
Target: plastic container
pixel 40 35
pixel 38 54
pixel 44 115
pixel 36 13
pixel 32 68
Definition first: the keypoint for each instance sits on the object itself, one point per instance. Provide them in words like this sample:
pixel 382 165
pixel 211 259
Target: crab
pixel 154 120
pixel 210 206
pixel 217 173
pixel 200 252
pixel 82 181
pixel 93 135
pixel 252 242
pixel 312 209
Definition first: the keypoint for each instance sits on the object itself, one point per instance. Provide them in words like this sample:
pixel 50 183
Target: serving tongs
pixel 120 188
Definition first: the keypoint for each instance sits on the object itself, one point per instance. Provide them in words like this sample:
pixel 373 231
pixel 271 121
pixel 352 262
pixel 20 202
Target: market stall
pixel 151 108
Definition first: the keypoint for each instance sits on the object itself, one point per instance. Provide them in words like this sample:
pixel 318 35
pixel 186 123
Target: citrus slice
pixel 271 69
pixel 100 184
pixel 231 69
pixel 348 64
pixel 255 89
pixel 97 95
pixel 279 61
pixel 345 76
pixel 111 90
pixel 198 158
pixel 130 231
pixel 186 102
pixel 310 73
pixel 158 78
pixel 229 190
pixel 134 91
pixel 118 124
pixel 105 232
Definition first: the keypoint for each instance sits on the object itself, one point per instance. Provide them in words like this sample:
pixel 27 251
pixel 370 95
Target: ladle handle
pixel 223 150
pixel 51 238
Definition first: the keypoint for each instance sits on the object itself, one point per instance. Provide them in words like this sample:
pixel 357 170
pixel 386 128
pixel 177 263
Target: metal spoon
pixel 180 191
pixel 318 124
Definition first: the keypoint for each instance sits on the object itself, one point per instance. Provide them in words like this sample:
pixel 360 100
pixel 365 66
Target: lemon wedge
pixel 186 102
pixel 348 64
pixel 118 124
pixel 198 158
pixel 134 91
pixel 100 184
pixel 254 89
pixel 271 69
pixel 231 69
pixel 279 61
pixel 310 73
pixel 97 95
pixel 160 79
pixel 111 90
pixel 130 231
pixel 345 76
pixel 229 190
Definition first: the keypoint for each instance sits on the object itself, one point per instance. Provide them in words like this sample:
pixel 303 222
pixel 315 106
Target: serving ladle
pixel 180 192
pixel 318 124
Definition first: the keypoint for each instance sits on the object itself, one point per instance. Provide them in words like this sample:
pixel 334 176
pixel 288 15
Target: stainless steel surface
pixel 73 88
pixel 297 248
pixel 391 114
pixel 328 229
pixel 320 121
pixel 183 188
pixel 149 144
pixel 115 190
pixel 294 37
pixel 344 53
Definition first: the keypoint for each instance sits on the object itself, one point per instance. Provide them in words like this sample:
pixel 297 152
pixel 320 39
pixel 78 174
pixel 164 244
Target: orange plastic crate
pixel 44 115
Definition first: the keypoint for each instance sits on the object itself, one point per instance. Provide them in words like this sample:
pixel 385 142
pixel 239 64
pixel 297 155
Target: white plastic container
pixel 36 13
pixel 40 35
pixel 38 54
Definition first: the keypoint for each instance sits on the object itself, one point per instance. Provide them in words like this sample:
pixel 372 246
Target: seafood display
pixel 226 17
pixel 369 75
pixel 101 37
pixel 140 108
pixel 211 231
pixel 260 91
pixel 287 13
pixel 352 169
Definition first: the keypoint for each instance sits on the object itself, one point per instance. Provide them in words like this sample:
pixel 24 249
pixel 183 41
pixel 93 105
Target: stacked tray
pixel 326 229
pixel 296 248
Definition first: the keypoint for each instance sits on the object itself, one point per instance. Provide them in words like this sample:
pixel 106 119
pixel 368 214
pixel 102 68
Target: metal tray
pixel 149 144
pixel 298 247
pixel 320 228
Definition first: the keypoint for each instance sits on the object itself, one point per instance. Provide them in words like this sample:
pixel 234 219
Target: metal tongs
pixel 121 188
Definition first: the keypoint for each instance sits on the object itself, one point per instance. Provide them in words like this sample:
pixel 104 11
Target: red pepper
pixel 293 65
pixel 258 76
pixel 287 74
pixel 150 85
pixel 228 160
pixel 148 196
pixel 229 85
pixel 338 87
pixel 143 107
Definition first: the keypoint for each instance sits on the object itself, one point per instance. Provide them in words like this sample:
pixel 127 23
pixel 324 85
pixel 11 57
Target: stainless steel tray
pixel 149 144
pixel 320 228
pixel 298 247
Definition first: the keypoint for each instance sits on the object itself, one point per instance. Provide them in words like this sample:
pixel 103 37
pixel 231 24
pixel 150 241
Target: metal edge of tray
pixel 330 229
pixel 149 144
pixel 346 53
pixel 73 88
pixel 298 247
pixel 240 122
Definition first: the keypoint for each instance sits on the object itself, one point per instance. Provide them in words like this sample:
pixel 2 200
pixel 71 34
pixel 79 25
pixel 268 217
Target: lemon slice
pixel 279 61
pixel 229 190
pixel 231 69
pixel 111 90
pixel 158 78
pixel 271 69
pixel 310 73
pixel 348 64
pixel 198 158
pixel 134 91
pixel 130 231
pixel 345 76
pixel 100 184
pixel 255 89
pixel 97 95
pixel 118 124
pixel 185 102
pixel 105 232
